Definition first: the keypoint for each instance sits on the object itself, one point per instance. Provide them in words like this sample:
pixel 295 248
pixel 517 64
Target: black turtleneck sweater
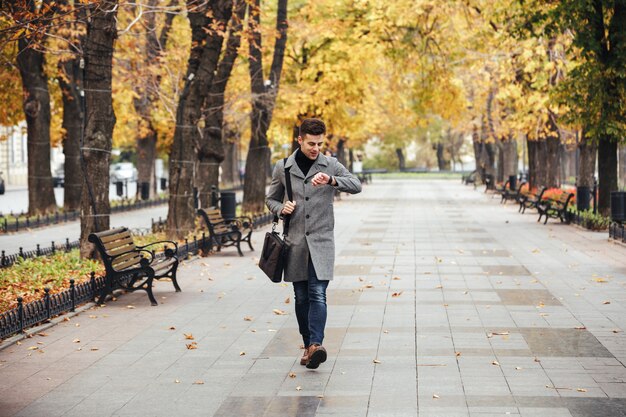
pixel 303 161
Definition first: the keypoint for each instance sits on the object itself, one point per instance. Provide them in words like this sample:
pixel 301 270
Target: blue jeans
pixel 311 307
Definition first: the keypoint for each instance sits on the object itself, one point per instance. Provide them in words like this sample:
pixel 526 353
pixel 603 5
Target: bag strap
pixel 289 196
pixel 287 218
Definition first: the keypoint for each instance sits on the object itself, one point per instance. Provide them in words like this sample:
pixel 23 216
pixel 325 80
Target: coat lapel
pixel 294 168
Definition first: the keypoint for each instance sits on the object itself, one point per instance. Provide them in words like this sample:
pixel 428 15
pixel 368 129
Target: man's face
pixel 310 145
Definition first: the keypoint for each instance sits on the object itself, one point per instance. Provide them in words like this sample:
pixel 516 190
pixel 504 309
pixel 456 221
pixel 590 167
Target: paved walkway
pixel 445 304
pixel 28 240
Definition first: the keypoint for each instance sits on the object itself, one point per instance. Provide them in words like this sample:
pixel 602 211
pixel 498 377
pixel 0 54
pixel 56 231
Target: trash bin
pixel 618 206
pixel 145 190
pixel 583 197
pixel 228 205
pixel 119 188
pixel 513 182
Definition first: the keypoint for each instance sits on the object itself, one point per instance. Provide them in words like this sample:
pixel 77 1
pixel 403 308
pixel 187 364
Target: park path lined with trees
pixel 538 81
pixel 444 303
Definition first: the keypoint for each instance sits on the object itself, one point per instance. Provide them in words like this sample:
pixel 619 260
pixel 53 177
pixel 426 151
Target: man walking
pixel 310 241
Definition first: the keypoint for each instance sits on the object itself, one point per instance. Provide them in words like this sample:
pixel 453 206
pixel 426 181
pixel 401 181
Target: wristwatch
pixel 330 180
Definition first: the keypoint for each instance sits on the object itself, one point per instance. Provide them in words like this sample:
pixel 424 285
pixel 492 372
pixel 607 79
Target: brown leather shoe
pixel 305 356
pixel 317 354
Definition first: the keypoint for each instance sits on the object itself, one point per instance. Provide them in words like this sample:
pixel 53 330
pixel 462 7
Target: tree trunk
pixel 207 39
pixel 341 151
pixel 263 100
pixel 586 162
pixel 230 165
pixel 501 161
pixel 351 161
pixel 533 162
pixel 508 158
pixel 490 157
pixel 146 90
pixel 478 150
pixel 622 166
pixel 540 167
pixel 146 155
pixel 401 160
pixel 100 120
pixel 552 161
pixel 71 82
pixel 211 149
pixel 30 62
pixel 607 173
pixel 294 137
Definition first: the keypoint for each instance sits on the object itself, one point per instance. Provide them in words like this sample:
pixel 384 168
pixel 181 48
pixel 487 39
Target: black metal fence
pixel 22 222
pixel 257 221
pixel 617 232
pixel 29 314
pixel 8 260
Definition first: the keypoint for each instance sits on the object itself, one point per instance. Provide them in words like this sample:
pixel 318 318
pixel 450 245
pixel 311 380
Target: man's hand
pixel 321 179
pixel 289 207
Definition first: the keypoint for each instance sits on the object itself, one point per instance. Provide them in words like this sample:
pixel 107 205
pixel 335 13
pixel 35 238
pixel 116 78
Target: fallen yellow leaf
pixel 188 336
pixel 279 312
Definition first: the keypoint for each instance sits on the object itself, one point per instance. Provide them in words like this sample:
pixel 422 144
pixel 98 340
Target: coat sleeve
pixel 346 181
pixel 276 192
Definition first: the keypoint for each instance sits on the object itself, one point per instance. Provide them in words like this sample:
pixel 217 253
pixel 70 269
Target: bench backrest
pixel 117 249
pixel 214 221
pixel 565 197
pixel 539 193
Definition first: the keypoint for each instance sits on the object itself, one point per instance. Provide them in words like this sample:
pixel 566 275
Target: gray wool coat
pixel 311 228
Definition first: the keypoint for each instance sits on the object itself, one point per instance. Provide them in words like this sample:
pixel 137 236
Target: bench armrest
pixel 241 221
pixel 167 251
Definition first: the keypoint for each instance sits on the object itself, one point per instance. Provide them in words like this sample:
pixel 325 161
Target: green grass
pixel 28 277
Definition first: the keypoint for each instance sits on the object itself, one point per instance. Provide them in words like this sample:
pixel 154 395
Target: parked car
pixel 123 171
pixel 58 176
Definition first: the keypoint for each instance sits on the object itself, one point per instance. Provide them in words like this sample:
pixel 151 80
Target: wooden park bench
pixel 469 178
pixel 497 189
pixel 231 232
pixel 555 207
pixel 132 267
pixel 530 199
pixel 509 194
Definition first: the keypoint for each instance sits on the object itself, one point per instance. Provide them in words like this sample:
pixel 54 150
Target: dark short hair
pixel 312 127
